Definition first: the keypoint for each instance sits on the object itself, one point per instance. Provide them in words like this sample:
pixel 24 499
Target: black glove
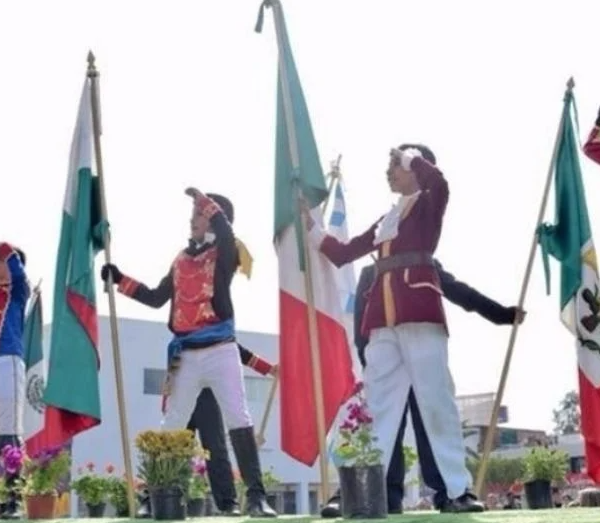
pixel 109 268
pixel 598 119
pixel 516 313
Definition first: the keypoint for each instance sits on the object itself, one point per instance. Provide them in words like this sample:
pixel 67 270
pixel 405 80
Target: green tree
pixel 567 417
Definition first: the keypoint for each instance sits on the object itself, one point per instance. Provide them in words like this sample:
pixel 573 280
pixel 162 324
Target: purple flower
pixel 198 466
pixel 12 458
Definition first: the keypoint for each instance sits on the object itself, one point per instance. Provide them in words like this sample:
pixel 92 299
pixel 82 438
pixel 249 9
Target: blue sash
pixel 209 335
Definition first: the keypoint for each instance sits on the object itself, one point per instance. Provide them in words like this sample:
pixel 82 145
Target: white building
pixel 143 356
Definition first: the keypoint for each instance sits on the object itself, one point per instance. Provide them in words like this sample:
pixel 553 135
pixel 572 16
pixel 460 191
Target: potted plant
pixel 198 487
pixel 362 476
pixel 117 493
pixel 42 474
pixel 165 467
pixel 93 489
pixel 542 467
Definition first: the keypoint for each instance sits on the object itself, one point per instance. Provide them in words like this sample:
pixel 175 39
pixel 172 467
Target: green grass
pixel 566 515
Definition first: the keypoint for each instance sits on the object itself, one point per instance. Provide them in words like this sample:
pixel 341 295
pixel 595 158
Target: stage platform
pixel 566 515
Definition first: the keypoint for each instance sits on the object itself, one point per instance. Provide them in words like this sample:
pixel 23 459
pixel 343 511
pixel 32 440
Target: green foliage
pixel 93 489
pixel 545 464
pixel 410 457
pixel 269 479
pixel 567 417
pixel 117 493
pixel 3 490
pixel 357 442
pixel 501 472
pixel 43 473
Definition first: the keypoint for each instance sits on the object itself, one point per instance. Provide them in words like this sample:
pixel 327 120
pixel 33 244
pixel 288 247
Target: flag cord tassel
pixel 308 281
pixel 92 74
pixel 489 438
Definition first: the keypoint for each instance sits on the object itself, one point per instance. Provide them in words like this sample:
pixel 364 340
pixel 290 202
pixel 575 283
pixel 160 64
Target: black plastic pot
pixel 364 493
pixel 168 504
pixel 96 511
pixel 195 508
pixel 538 494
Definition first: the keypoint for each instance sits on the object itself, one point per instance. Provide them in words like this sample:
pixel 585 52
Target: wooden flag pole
pixel 489 438
pixel 308 282
pixel 260 437
pixel 92 74
pixel 334 176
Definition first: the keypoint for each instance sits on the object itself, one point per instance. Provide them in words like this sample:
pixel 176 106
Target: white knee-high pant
pixel 416 355
pixel 218 368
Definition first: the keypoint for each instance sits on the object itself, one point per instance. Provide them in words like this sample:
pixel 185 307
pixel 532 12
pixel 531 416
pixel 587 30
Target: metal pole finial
pixel 91 71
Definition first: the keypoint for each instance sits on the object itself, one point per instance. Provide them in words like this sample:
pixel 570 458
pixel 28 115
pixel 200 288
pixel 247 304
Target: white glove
pixel 406 156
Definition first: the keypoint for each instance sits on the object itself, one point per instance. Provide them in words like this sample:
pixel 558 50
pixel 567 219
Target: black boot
pixel 145 510
pixel 246 453
pixel 333 508
pixel 13 506
pixel 466 503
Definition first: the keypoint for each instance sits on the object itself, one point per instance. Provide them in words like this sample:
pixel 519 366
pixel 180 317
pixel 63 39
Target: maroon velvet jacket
pixel 403 294
pixel 592 146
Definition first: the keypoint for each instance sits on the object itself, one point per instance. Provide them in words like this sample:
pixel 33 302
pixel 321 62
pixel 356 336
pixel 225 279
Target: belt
pixel 402 260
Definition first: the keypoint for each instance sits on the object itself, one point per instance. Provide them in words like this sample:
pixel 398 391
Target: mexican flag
pixel 35 377
pixel 298 168
pixel 569 240
pixel 72 396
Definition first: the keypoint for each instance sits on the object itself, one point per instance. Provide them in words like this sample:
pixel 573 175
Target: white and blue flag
pixel 338 227
pixel 346 285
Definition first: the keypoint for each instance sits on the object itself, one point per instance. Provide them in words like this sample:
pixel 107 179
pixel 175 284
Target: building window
pixel 153 381
pixel 257 389
pixel 289 502
pixel 313 501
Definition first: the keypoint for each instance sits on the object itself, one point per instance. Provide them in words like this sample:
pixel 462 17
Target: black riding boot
pixel 145 510
pixel 13 506
pixel 246 453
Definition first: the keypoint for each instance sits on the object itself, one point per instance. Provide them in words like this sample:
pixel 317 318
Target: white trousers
pixel 12 395
pixel 218 368
pixel 416 354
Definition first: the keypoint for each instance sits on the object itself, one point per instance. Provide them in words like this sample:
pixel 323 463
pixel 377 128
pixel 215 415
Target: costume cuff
pixel 259 365
pixel 128 286
pixel 206 206
pixel 316 236
pixel 408 155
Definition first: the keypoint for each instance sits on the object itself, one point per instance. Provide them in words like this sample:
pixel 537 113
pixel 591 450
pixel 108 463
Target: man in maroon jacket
pixel 405 320
pixel 592 146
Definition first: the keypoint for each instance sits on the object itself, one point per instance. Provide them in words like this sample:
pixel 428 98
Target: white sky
pixel 188 98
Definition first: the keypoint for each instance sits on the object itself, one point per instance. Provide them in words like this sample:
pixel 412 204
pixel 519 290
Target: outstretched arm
pixel 592 146
pixel 136 290
pixel 255 362
pixel 11 268
pixel 224 237
pixel 340 253
pixel 471 300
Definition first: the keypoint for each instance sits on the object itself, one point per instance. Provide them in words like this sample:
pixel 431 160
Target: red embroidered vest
pixel 193 281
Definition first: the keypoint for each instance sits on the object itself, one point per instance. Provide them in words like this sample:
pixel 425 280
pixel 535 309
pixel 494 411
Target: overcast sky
pixel 188 98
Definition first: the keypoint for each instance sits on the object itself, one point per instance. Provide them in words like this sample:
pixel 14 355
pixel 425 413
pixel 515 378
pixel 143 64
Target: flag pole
pixel 35 295
pixel 489 437
pixel 93 74
pixel 260 437
pixel 308 282
pixel 334 176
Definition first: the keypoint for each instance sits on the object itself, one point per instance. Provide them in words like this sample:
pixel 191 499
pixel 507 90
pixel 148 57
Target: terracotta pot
pixel 41 506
